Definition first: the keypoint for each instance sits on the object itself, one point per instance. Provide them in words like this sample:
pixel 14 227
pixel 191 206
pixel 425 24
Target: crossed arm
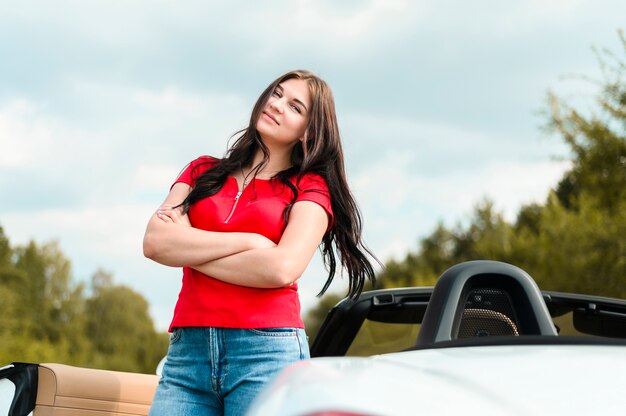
pixel 245 259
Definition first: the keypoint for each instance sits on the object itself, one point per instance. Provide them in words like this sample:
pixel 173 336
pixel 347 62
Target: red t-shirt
pixel 205 301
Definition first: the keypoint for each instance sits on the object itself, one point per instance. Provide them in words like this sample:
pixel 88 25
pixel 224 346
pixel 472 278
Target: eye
pixel 277 93
pixel 296 108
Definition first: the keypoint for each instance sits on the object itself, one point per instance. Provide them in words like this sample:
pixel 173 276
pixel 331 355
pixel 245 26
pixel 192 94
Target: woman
pixel 244 228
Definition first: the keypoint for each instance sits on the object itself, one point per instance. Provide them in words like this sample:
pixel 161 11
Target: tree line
pixel 47 317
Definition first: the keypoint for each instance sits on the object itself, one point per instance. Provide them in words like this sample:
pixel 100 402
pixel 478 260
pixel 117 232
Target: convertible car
pixel 485 340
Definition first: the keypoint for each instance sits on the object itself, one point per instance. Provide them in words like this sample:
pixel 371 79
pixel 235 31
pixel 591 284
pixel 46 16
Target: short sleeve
pixel 194 169
pixel 313 188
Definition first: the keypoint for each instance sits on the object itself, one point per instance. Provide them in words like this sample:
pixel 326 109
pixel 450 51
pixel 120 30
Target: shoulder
pixel 196 168
pixel 202 164
pixel 312 181
pixel 204 161
pixel 314 188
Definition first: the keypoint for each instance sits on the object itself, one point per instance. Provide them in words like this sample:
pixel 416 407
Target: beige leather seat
pixel 64 390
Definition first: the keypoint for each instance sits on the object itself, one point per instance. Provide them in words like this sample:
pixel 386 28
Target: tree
pixel 5 250
pixel 580 250
pixel 120 328
pixel 597 140
pixel 46 317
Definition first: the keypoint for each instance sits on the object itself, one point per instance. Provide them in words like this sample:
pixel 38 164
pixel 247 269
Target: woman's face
pixel 284 118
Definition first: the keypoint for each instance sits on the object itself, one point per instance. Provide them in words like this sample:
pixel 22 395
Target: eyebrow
pixel 295 99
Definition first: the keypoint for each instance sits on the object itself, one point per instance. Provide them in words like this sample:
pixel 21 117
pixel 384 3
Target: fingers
pixel 167 209
pixel 163 215
pixel 170 213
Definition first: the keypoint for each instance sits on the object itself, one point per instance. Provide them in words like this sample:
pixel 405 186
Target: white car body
pixel 486 380
pixel 484 341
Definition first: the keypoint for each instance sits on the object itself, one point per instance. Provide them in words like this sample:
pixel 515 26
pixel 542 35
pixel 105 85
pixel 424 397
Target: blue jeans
pixel 219 371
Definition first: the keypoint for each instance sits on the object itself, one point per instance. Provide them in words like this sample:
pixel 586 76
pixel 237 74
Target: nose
pixel 278 104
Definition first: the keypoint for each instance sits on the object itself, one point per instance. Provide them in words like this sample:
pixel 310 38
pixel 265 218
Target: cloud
pixel 110 131
pixel 400 204
pixel 108 231
pixel 154 177
pixel 24 137
pixel 347 22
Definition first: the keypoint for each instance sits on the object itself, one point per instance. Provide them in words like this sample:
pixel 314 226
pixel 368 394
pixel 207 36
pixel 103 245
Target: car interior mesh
pixel 484 323
pixel 487 312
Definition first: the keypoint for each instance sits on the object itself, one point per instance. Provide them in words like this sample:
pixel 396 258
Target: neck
pixel 278 161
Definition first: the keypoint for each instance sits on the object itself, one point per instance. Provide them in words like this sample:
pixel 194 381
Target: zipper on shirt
pixel 234 206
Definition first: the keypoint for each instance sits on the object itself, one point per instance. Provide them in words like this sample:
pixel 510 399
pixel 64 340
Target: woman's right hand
pixel 172 213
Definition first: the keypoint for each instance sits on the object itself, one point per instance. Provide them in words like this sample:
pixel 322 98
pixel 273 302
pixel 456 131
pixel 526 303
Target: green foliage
pixel 117 320
pixel 582 250
pixel 597 141
pixel 46 317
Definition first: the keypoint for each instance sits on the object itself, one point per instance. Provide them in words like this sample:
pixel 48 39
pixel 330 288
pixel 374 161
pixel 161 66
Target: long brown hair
pixel 320 153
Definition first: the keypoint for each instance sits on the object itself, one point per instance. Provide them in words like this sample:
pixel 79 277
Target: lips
pixel 271 117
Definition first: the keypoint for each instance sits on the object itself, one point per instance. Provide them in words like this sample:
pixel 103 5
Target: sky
pixel 440 103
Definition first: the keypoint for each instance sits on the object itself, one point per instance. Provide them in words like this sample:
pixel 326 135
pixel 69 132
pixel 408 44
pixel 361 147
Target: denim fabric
pixel 218 371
